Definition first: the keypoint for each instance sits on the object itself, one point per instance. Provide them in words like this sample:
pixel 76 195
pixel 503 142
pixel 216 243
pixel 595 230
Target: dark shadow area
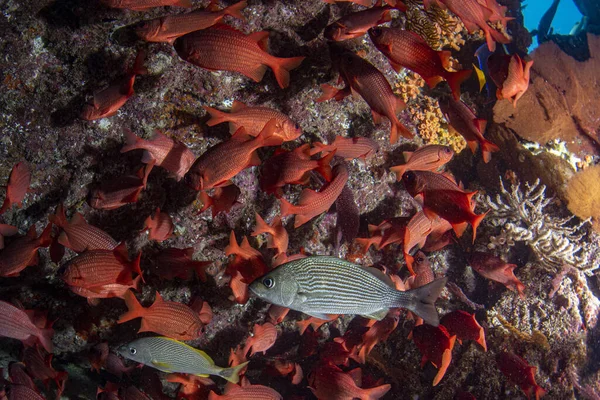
pixel 73 14
pixel 313 28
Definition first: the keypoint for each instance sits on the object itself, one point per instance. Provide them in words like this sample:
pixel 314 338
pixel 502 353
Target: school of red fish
pixel 103 268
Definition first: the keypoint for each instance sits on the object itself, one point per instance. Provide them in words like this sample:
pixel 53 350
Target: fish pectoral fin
pixel 301 296
pixel 161 365
pixel 317 315
pixel 202 375
pixel 377 315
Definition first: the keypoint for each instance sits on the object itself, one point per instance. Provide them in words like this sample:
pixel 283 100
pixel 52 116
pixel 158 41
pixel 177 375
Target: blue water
pixel 566 16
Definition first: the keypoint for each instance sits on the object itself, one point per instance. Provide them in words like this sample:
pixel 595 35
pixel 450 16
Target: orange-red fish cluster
pixel 426 158
pixel 349 148
pixel 246 266
pixel 246 391
pixel 330 382
pixel 22 252
pixel 159 226
pixel 22 325
pixel 496 269
pixel 518 371
pixel 174 263
pixel 17 187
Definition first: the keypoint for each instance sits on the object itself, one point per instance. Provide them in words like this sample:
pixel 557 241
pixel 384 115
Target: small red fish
pixel 17 324
pixel 192 386
pixel 178 263
pixel 443 197
pixel 133 393
pixel 225 160
pixel 106 291
pixel 262 339
pixel 288 369
pixel 6 230
pixel 423 274
pixel 109 100
pixel 379 332
pixel 19 392
pixel 253 119
pixel 464 121
pixel 349 148
pixel 277 314
pixel 498 11
pixel 363 78
pixel 366 3
pixel 409 50
pixel 313 203
pixel 517 80
pixel 329 382
pixel 246 392
pixel 518 371
pixel 435 345
pixel 17 187
pixel 159 226
pixel 140 5
pixel 237 356
pixel 23 252
pixel 314 322
pixel 96 268
pixel 163 151
pixel 277 235
pixel 356 24
pixel 475 16
pixel 465 327
pixel 39 366
pixel 120 191
pixel 170 27
pixel 101 358
pixel 168 318
pixel 496 269
pixel 426 158
pixel 18 375
pixel 78 235
pixel 292 167
pixel 222 200
pixel 224 48
pixel 246 266
pixel 417 230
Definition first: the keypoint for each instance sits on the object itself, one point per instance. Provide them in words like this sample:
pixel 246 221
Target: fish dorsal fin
pixel 237 106
pixel 158 299
pixel 379 275
pixel 31 233
pixel 78 219
pixel 261 38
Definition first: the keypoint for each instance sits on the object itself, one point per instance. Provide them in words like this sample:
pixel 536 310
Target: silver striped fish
pixel 170 355
pixel 322 285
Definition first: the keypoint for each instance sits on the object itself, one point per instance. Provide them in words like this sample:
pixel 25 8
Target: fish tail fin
pixel 324 167
pixel 399 170
pixel 135 309
pixel 376 392
pixel 261 226
pixel 59 218
pixel 329 92
pixel 235 10
pixel 135 266
pixel 216 116
pixel 45 338
pixel 45 238
pixel 424 301
pixel 233 374
pixel 206 200
pixel 282 67
pixel 286 207
pixel 476 221
pixel 455 79
pixel 487 148
pixel 138 65
pixel 133 142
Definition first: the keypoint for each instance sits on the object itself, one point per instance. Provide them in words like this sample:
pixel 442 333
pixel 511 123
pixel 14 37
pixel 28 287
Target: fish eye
pixel 376 31
pixel 296 126
pixel 447 150
pixel 419 259
pixel 268 282
pixel 132 350
pixel 409 176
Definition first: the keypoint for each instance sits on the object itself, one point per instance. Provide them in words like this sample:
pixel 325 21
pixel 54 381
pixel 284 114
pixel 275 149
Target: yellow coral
pixel 536 338
pixel 583 193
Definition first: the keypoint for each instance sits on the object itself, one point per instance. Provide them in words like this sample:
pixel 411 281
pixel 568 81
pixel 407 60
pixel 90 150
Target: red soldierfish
pixel 475 17
pixel 139 5
pixel 517 81
pixel 23 252
pixel 518 371
pixel 108 101
pixel 464 121
pixel 313 203
pixel 6 230
pixel 328 381
pixel 498 11
pixel 443 197
pixel 224 48
pixel 263 338
pixel 278 236
pixel 222 199
pixel 246 392
pixel 225 160
pixel 409 50
pixel 159 226
pixel 106 291
pixel 366 3
pixel 120 191
pixel 496 269
pixel 349 148
pixel 292 167
pixel 18 184
pixel 465 327
pixel 78 235
pixel 178 263
pixel 423 274
pixel 168 318
pixel 16 323
pixel 253 119
pixel 427 158
pixel 358 23
pixel 435 345
pixel 363 78
pixel 165 152
pixel 96 268
pixel 170 27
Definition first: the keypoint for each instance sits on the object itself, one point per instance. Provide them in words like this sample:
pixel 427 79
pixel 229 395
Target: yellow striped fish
pixel 322 285
pixel 170 355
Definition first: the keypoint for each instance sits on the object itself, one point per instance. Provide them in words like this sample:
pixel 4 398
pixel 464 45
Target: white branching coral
pixel 555 241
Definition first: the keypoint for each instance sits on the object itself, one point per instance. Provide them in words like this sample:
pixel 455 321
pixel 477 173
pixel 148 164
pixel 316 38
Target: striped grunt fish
pixel 323 285
pixel 170 355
